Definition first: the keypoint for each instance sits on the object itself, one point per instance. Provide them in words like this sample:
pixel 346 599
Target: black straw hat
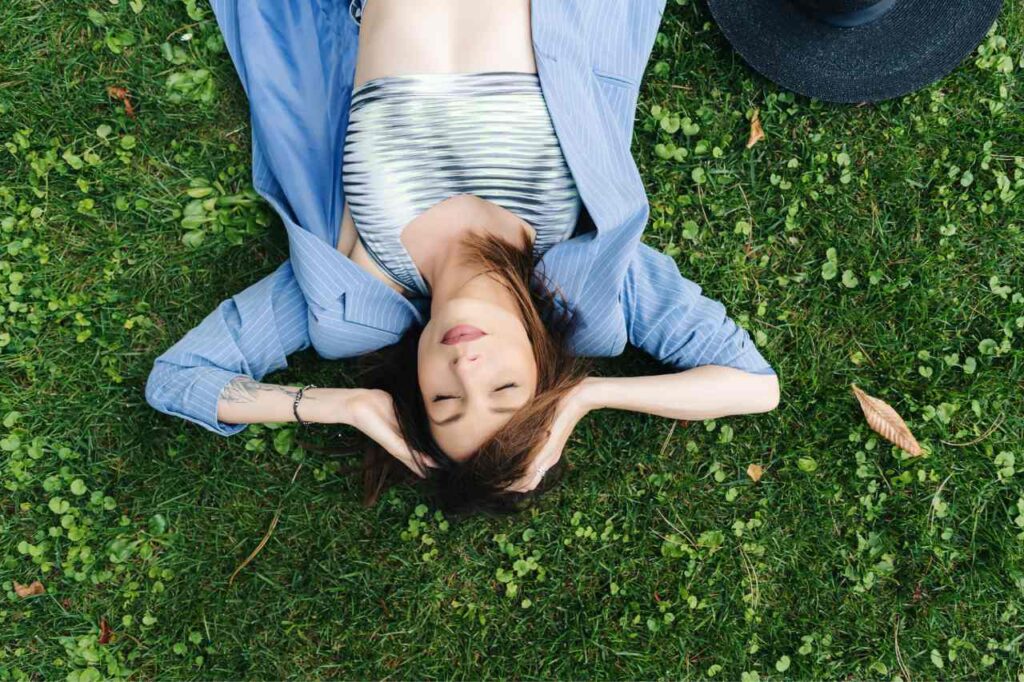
pixel 854 50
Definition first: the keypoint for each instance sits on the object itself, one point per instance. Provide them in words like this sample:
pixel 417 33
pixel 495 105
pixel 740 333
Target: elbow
pixel 762 393
pixel 156 386
pixel 153 389
pixel 772 393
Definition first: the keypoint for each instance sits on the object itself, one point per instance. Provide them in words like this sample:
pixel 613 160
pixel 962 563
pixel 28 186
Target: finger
pixel 537 478
pixel 536 471
pixel 544 463
pixel 421 459
pixel 413 467
pixel 522 485
pixel 527 483
pixel 519 485
pixel 541 466
pixel 407 458
pixel 400 450
pixel 413 459
pixel 426 465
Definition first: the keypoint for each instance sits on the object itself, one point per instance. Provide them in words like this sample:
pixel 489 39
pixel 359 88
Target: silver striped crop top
pixel 414 141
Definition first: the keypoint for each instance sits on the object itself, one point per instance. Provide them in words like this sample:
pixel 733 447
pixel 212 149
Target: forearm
pixel 245 401
pixel 249 334
pixel 705 392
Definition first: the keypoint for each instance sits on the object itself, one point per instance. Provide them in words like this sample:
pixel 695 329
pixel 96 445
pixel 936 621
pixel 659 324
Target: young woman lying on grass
pixel 457 186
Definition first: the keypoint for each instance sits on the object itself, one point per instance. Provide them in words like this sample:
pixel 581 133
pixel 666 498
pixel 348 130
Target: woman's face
pixel 476 369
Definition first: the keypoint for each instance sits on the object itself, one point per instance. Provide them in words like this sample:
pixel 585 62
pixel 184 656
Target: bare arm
pixel 372 411
pixel 705 392
pixel 246 401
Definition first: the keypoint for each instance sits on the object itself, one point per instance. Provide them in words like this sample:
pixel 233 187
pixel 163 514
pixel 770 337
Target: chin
pixel 461 457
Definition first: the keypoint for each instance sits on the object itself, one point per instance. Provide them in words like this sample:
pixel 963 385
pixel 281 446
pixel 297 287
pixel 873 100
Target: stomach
pixel 403 37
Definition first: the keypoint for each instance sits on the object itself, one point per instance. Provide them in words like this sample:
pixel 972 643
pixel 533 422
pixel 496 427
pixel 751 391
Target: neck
pixel 455 276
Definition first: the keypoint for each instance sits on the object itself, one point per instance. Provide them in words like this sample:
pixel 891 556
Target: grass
pixel 658 557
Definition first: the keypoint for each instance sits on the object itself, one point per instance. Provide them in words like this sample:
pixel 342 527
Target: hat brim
pixel 916 43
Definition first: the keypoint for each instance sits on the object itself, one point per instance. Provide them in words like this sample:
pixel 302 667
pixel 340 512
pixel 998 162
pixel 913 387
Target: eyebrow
pixel 457 417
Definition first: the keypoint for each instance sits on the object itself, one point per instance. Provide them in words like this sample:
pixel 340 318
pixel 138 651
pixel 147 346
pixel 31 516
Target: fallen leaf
pixel 122 94
pixel 755 471
pixel 105 631
pixel 886 422
pixel 756 131
pixel 23 591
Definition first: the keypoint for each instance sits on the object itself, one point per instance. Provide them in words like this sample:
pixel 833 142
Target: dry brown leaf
pixel 23 591
pixel 755 471
pixel 886 422
pixel 756 131
pixel 122 94
pixel 105 631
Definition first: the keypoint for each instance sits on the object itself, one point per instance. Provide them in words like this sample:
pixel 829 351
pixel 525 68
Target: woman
pixel 456 183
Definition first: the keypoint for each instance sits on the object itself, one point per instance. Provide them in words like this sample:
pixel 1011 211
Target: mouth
pixel 461 334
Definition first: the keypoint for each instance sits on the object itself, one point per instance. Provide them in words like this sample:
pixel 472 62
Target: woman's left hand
pixel 571 409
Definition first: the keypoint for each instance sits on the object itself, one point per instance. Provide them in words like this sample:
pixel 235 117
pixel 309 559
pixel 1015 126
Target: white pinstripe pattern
pixel 296 61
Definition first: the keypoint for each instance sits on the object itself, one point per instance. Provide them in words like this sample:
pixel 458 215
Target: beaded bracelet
pixel 295 404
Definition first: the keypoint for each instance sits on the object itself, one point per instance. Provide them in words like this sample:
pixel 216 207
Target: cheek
pixel 433 373
pixel 426 369
pixel 525 363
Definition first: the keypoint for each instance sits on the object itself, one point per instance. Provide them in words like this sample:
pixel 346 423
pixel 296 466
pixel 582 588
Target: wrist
pixel 325 405
pixel 594 393
pixel 588 395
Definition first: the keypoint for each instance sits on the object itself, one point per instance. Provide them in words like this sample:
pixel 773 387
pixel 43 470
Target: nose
pixel 466 361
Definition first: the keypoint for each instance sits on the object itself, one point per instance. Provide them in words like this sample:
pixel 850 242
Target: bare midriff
pixel 405 37
pixel 399 37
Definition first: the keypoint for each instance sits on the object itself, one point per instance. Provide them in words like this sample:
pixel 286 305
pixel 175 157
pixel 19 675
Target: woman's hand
pixel 372 411
pixel 572 408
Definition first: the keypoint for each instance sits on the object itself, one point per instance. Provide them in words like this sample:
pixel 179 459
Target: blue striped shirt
pixel 296 61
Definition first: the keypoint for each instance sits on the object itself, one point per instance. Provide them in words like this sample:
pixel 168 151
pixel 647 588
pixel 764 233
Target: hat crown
pixel 837 6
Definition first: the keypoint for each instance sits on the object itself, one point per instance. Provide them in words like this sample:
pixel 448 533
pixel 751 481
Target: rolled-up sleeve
pixel 668 317
pixel 250 334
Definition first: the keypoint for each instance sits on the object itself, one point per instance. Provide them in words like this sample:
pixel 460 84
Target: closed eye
pixel 442 398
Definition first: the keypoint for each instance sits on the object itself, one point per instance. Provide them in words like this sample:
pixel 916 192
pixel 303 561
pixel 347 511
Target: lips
pixel 461 334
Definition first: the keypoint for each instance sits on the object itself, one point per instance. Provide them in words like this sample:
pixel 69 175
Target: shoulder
pixel 628 299
pixel 589 291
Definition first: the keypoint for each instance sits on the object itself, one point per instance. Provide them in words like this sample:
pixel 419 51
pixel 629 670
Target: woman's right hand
pixel 372 411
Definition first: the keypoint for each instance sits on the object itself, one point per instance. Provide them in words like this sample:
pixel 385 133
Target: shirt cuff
pixel 202 397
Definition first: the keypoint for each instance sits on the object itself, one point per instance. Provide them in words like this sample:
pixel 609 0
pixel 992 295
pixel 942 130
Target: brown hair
pixel 477 484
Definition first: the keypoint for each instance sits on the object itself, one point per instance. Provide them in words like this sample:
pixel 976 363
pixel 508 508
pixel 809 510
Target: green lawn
pixel 878 245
